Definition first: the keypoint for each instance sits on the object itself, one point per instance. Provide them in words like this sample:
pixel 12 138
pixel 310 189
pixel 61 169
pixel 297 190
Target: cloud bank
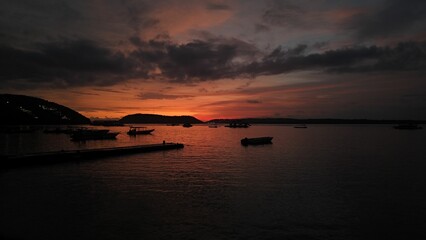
pixel 85 63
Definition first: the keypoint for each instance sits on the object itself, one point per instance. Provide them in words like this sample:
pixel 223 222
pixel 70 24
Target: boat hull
pixel 256 141
pixel 134 133
pixel 93 135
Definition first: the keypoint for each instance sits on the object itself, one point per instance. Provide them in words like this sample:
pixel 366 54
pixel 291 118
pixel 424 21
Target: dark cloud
pixel 136 13
pixel 295 15
pixel 217 6
pixel 160 96
pixel 66 63
pixel 27 21
pixel 203 90
pixel 285 14
pixel 85 63
pixel 253 101
pixel 259 28
pixel 219 103
pixel 84 93
pixel 116 109
pixel 320 45
pixel 394 17
pixel 199 60
pixel 410 56
pixel 108 90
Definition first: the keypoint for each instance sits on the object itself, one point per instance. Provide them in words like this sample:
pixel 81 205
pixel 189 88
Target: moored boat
pixel 59 130
pixel 187 125
pixel 139 131
pixel 17 129
pixel 256 141
pixel 300 126
pixel 97 134
pixel 237 125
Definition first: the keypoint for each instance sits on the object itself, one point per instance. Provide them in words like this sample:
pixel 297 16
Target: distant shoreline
pixel 244 120
pixel 314 121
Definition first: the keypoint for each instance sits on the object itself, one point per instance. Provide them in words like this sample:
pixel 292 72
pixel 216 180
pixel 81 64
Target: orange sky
pixel 218 59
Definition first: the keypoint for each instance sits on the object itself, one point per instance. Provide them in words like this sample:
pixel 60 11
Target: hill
pixel 154 118
pixel 312 121
pixel 20 109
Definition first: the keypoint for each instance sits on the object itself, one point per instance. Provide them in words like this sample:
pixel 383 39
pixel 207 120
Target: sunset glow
pixel 219 59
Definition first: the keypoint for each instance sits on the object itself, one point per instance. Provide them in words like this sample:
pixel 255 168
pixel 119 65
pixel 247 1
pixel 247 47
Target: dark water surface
pixel 323 182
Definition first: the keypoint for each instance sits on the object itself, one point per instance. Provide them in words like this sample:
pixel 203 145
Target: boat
pixel 139 131
pixel 90 134
pixel 60 130
pixel 256 141
pixel 237 125
pixel 300 126
pixel 407 126
pixel 187 125
pixel 17 129
pixel 107 123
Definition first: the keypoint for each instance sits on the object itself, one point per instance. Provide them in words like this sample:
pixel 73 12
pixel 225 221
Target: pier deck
pixel 82 154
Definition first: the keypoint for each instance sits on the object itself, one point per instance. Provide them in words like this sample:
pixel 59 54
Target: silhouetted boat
pixel 187 125
pixel 60 130
pixel 408 126
pixel 86 134
pixel 256 141
pixel 300 126
pixel 107 123
pixel 139 131
pixel 17 129
pixel 238 125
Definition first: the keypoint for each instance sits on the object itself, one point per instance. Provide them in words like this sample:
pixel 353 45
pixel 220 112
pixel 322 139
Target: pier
pixel 43 158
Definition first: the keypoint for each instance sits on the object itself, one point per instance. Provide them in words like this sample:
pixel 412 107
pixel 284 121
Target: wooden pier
pixel 43 158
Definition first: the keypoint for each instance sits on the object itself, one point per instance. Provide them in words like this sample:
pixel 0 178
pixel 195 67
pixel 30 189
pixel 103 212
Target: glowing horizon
pixel 219 59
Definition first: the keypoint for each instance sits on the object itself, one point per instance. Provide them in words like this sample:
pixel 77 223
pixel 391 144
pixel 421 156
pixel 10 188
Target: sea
pixel 321 182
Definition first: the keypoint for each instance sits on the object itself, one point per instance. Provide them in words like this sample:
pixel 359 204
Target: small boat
pixel 60 130
pixel 107 123
pixel 238 125
pixel 96 134
pixel 187 125
pixel 256 141
pixel 300 126
pixel 139 130
pixel 408 126
pixel 17 129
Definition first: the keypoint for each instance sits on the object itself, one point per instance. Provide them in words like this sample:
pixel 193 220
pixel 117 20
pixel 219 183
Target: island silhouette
pixel 27 110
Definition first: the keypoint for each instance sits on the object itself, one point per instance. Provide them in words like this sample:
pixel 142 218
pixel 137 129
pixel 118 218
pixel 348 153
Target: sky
pixel 219 59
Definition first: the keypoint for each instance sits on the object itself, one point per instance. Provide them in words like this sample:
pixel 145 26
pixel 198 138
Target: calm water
pixel 323 182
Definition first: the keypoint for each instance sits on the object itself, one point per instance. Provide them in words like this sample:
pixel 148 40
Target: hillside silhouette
pixel 312 121
pixel 155 118
pixel 20 109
